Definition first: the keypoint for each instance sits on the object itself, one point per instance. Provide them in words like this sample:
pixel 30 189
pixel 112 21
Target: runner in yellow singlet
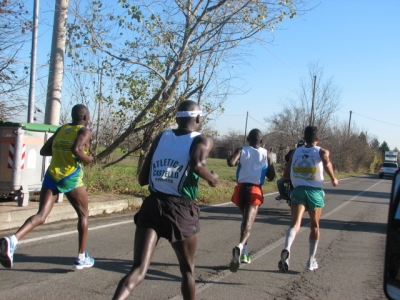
pixel 68 148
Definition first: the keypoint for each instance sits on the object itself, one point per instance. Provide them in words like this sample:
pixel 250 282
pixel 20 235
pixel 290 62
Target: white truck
pixel 390 166
pixel 391 156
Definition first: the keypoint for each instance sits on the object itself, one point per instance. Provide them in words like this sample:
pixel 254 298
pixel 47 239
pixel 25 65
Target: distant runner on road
pixel 254 164
pixel 306 172
pixel 176 160
pixel 68 147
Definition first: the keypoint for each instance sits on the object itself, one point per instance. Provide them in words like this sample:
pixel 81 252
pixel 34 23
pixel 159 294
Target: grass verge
pixel 121 180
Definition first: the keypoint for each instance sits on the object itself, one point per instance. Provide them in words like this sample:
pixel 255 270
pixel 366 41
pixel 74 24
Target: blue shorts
pixel 65 185
pixel 308 196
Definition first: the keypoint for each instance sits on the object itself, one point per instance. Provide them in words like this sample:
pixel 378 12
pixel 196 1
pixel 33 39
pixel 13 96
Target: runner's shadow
pixel 124 266
pixel 290 272
pixel 106 264
pixel 52 260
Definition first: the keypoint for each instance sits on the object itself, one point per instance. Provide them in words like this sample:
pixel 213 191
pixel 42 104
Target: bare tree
pixel 288 125
pixel 161 53
pixel 14 32
pixel 324 99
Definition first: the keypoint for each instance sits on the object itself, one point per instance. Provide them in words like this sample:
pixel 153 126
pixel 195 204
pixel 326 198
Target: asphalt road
pixel 350 254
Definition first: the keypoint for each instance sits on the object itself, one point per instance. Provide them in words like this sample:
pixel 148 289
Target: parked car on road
pixel 388 169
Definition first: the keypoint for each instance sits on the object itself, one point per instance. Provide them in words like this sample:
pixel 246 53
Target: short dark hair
pixel 310 134
pixel 188 105
pixel 255 135
pixel 78 112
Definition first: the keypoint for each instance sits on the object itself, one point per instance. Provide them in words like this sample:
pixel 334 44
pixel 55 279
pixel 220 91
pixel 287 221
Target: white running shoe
pixel 311 266
pixel 7 249
pixel 87 262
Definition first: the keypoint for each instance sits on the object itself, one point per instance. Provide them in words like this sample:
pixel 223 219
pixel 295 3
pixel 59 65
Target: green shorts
pixel 65 185
pixel 308 196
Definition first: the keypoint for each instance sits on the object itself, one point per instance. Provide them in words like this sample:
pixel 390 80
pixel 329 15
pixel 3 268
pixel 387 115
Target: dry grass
pixel 121 179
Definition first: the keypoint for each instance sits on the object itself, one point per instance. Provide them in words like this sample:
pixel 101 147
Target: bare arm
pixel 81 145
pixel 234 158
pixel 46 149
pixel 143 177
pixel 271 168
pixel 286 173
pixel 201 148
pixel 324 154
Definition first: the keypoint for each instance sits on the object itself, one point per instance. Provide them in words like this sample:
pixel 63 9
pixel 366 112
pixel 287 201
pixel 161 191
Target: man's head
pixel 80 114
pixel 255 137
pixel 311 134
pixel 189 115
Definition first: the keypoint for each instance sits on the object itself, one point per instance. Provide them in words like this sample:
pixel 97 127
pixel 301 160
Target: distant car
pixel 388 169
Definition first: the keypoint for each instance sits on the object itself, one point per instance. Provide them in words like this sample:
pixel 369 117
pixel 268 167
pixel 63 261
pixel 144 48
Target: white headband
pixel 190 114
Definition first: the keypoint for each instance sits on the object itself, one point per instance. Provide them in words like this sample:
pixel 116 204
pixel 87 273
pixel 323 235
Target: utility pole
pixel 56 69
pixel 312 102
pixel 245 129
pixel 99 112
pixel 348 129
pixel 31 101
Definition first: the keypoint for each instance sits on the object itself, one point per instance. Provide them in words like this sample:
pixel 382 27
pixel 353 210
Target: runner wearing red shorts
pixel 254 164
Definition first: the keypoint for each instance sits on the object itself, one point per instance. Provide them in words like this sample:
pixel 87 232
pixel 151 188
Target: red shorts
pixel 246 193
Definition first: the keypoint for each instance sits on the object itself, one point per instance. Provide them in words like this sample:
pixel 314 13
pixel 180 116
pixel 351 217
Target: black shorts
pixel 173 218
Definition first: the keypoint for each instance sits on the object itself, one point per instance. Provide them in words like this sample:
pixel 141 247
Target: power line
pixel 228 115
pixel 376 119
pixel 281 60
pixel 257 121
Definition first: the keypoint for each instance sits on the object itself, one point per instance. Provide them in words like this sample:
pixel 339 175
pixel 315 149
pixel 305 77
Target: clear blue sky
pixel 357 42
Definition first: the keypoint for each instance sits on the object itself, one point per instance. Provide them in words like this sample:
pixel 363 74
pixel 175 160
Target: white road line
pixel 71 232
pixel 213 280
pixel 130 221
pixel 201 287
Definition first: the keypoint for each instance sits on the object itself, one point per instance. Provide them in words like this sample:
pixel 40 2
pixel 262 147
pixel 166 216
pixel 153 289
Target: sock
pixel 290 235
pixel 81 255
pixel 313 249
pixel 245 250
pixel 240 246
pixel 14 240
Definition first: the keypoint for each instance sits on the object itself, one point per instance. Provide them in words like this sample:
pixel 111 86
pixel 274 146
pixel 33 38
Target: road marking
pixel 203 286
pixel 217 278
pixel 46 237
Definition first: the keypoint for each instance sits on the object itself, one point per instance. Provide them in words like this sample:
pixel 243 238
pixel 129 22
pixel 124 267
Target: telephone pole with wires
pixel 312 103
pixel 245 129
pixel 348 129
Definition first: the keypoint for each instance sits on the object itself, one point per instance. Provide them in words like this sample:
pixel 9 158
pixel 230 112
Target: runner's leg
pixel 185 251
pixel 249 215
pixel 315 216
pixel 146 240
pixel 46 203
pixel 296 212
pixel 80 202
